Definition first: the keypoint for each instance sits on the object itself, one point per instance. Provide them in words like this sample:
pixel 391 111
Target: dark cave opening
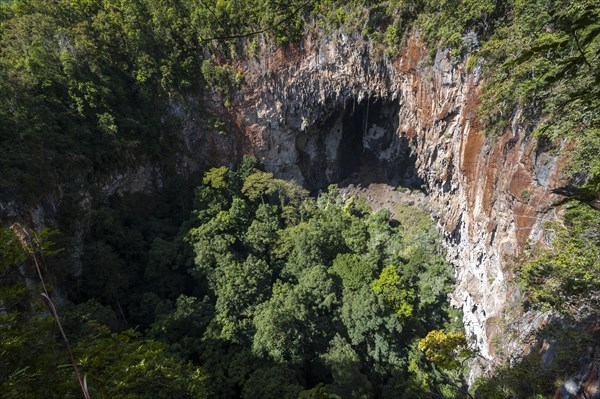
pixel 358 144
pixel 351 150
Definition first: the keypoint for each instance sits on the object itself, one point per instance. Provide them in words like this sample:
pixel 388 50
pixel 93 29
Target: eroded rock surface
pixel 323 112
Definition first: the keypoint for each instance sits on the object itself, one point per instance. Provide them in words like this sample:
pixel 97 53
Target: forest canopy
pixel 288 294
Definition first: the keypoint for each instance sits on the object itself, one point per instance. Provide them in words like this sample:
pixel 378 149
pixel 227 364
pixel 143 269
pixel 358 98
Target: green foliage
pixel 566 276
pixel 271 383
pixel 449 22
pixel 241 287
pixel 585 165
pixel 34 364
pixel 471 63
pixel 344 363
pixel 445 350
pixel 289 285
pixel 216 178
pixel 392 288
pixel 258 184
pixel 18 245
pixel 392 39
pixel 174 324
pixel 354 269
pixel 125 366
pixel 373 327
pixel 221 78
pixel 34 361
pixel 543 63
pixel 84 88
pixel 318 392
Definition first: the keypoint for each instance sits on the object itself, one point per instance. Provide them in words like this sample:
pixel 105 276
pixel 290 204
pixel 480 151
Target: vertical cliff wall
pixel 314 114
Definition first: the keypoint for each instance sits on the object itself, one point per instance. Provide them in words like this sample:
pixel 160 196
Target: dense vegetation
pixel 268 292
pixel 39 361
pixel 289 294
pixel 323 288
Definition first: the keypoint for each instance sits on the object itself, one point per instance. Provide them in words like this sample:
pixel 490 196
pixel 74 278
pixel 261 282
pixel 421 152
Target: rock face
pixel 320 113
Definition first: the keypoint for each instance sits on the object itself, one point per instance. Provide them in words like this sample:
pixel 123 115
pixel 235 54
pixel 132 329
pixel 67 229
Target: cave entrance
pixel 359 144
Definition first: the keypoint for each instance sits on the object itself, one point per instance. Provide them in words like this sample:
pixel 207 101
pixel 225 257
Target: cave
pixel 358 144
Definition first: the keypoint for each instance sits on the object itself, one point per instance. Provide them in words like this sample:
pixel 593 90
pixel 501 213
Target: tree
pixel 274 382
pixel 280 326
pixel 312 243
pixel 261 235
pixel 182 326
pixel 127 366
pixel 355 270
pixel 344 363
pixel 310 293
pixel 445 350
pixel 374 330
pixel 393 289
pixel 296 323
pixel 216 178
pixel 240 288
pixel 258 185
pixel 380 232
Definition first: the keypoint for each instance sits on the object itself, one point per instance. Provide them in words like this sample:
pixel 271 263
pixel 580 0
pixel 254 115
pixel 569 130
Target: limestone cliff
pixel 315 114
